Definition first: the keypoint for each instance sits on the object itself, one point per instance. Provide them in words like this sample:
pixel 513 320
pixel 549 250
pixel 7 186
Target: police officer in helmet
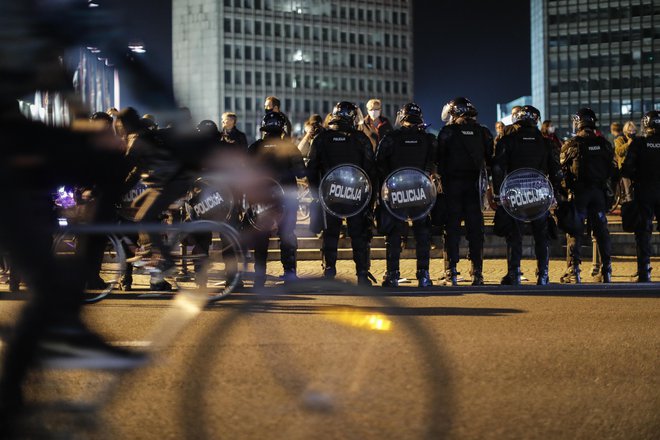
pixel 525 147
pixel 280 159
pixel 465 148
pixel 407 147
pixel 342 144
pixel 642 166
pixel 589 166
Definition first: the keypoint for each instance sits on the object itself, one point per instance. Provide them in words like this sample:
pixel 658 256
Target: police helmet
pixel 526 115
pixel 273 122
pixel 345 111
pixel 207 127
pixel 584 118
pixel 461 107
pixel 411 113
pixel 651 121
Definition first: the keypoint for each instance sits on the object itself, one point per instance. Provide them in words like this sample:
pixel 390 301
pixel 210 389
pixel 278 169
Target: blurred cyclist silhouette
pixel 34 159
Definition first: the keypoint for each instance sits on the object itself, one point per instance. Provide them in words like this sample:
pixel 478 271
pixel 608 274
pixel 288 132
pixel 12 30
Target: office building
pixel 601 54
pixel 228 55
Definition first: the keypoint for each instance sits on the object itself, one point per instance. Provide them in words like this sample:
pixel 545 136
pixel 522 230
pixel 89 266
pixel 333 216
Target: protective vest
pixel 409 148
pixel 594 160
pixel 529 149
pixel 647 166
pixel 465 151
pixel 341 147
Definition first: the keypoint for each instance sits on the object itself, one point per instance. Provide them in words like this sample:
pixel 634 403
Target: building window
pixel 257 28
pixel 248 27
pixel 257 53
pixel 404 42
pixel 227 103
pixel 248 104
pixel 237 26
pixel 306 32
pixel 278 80
pixel 248 52
pixel 268 29
pixel 238 52
pixel 227 26
pixel 227 2
pixel 257 78
pixel 227 50
pixel 237 77
pixel 278 30
pixel 227 76
pixel 248 78
pixel 269 79
pixel 404 88
pixel 237 104
pixel 278 55
pixel 404 18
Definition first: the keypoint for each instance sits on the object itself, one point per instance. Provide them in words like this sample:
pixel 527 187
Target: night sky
pixel 474 48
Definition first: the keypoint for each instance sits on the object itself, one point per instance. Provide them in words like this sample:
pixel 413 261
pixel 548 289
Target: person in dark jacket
pixel 589 166
pixel 281 160
pixel 465 150
pixel 230 134
pixel 526 147
pixel 343 144
pixel 642 166
pixel 412 147
pixel 273 104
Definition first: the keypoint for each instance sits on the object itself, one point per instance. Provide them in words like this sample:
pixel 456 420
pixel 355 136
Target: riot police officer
pixel 409 146
pixel 465 148
pixel 589 166
pixel 525 147
pixel 642 166
pixel 281 160
pixel 343 144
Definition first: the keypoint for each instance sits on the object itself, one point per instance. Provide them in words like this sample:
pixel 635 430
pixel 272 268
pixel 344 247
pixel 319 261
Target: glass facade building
pixel 228 55
pixel 603 54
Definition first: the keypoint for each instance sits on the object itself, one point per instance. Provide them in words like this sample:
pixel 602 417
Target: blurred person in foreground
pixel 35 159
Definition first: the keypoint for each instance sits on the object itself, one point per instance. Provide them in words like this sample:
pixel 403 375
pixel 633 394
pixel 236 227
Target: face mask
pixel 632 134
pixel 551 130
pixel 374 114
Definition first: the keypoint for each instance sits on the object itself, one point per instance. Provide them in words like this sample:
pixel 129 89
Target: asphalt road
pixel 465 364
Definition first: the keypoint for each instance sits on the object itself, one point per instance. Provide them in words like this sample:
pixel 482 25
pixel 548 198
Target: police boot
pixel 542 277
pixel 643 274
pixel 391 279
pixel 477 275
pixel 424 278
pixel 364 278
pixel 451 276
pixel 606 273
pixel 329 273
pixel 290 276
pixel 512 278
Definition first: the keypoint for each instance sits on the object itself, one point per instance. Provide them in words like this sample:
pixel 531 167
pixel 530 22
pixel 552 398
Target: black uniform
pixel 642 166
pixel 525 147
pixel 588 165
pixel 343 144
pixel 414 148
pixel 464 149
pixel 283 162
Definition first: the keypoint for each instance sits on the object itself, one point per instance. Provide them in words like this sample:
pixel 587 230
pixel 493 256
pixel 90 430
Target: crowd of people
pixel 583 171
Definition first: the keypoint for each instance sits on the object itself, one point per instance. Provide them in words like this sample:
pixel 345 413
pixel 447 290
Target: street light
pixel 137 47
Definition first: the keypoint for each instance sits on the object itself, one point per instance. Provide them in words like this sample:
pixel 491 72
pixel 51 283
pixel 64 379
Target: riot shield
pixel 345 191
pixel 210 199
pixel 265 202
pixel 526 194
pixel 408 194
